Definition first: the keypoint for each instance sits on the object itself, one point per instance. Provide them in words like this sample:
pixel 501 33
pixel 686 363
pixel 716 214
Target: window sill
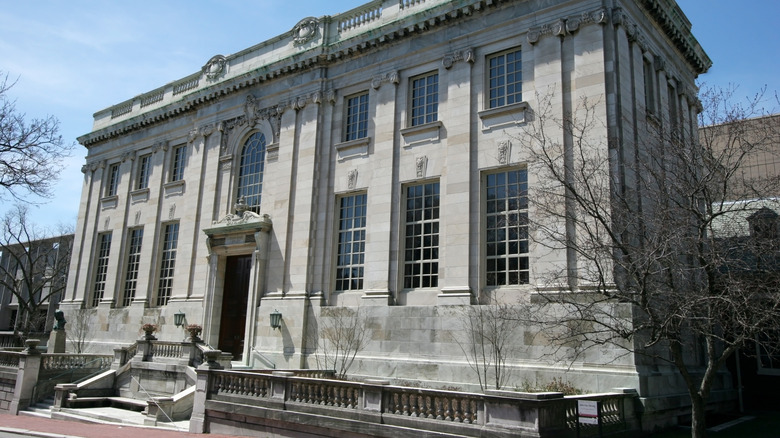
pixel 174 188
pixel 353 148
pixel 109 202
pixel 140 195
pixel 502 116
pixel 427 133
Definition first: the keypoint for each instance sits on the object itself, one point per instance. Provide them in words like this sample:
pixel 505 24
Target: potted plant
pixel 149 330
pixel 194 331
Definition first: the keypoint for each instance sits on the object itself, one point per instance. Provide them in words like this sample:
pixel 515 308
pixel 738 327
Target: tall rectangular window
pixel 101 268
pixel 113 179
pixel 505 79
pixel 177 166
pixel 425 99
pixel 167 263
pixel 143 172
pixel 506 226
pixel 356 125
pixel 133 260
pixel 351 243
pixel 649 76
pixel 421 236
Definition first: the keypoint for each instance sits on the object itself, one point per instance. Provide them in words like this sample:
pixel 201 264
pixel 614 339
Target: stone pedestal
pixel 56 342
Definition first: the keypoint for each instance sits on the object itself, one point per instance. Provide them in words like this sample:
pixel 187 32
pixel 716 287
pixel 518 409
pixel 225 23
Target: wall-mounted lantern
pixel 276 319
pixel 178 318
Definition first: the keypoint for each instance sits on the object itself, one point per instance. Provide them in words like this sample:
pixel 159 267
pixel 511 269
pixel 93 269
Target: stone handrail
pixel 64 361
pixel 504 413
pixel 10 359
pixel 360 16
pixel 166 349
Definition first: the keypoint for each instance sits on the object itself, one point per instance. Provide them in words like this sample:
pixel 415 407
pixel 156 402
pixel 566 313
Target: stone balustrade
pixel 65 361
pixel 337 404
pixel 10 359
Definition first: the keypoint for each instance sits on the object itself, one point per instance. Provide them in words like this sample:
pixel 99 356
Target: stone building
pixel 366 160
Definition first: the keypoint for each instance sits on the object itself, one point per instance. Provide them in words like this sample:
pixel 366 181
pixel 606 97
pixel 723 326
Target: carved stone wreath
pixel 215 67
pixel 305 31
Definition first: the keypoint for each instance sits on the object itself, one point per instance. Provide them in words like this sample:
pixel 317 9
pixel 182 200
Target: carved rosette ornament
pixel 305 31
pixel 216 67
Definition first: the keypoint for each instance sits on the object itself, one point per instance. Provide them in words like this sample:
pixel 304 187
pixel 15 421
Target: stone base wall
pixel 7 386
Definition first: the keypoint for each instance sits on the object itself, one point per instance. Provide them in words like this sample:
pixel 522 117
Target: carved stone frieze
pixel 172 211
pixel 305 31
pixel 216 67
pixel 160 145
pixel 462 55
pixel 202 131
pixel 568 25
pixel 392 77
pixel 352 177
pixel 421 166
pixel 243 217
pixel 504 151
pixel 128 156
pixel 137 217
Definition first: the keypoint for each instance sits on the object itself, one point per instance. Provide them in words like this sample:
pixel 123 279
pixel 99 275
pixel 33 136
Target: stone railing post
pixel 372 396
pixel 145 350
pixel 508 409
pixel 26 377
pixel 62 393
pixel 279 385
pixel 198 418
pixel 158 408
pixel 120 358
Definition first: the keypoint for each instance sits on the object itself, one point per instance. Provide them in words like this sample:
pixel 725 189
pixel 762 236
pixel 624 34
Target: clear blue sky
pixel 76 57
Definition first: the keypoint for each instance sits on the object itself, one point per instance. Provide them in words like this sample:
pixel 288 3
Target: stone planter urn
pixel 194 330
pixel 149 330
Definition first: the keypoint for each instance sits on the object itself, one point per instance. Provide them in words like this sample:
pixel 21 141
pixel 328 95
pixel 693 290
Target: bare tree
pixel 80 331
pixel 31 152
pixel 33 269
pixel 645 264
pixel 342 335
pixel 487 339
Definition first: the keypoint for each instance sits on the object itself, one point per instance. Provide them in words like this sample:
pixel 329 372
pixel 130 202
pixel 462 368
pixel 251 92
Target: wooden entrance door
pixel 234 301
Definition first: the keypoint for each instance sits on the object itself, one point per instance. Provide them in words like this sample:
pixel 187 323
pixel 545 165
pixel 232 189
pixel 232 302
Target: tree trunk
pixel 698 416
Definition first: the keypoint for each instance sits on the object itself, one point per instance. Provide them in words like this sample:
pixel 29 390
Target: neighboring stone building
pixel 367 159
pixel 35 271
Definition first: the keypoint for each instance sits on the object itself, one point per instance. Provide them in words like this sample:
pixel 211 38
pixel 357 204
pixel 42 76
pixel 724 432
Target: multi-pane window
pixel 113 179
pixel 356 125
pixel 421 237
pixel 506 226
pixel 167 263
pixel 425 99
pixel 144 164
pixel 250 175
pixel 351 242
pixel 133 260
pixel 505 79
pixel 101 268
pixel 177 166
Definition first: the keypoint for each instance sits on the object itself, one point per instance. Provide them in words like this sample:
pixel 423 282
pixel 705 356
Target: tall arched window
pixel 250 176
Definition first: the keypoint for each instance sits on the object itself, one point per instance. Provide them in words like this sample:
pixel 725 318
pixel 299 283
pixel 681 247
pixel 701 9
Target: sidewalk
pixel 26 425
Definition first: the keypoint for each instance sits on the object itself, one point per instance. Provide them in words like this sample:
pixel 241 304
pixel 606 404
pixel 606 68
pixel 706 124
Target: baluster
pixel 438 408
pixel 397 403
pixel 447 408
pixel 428 407
pixel 405 403
pixel 414 400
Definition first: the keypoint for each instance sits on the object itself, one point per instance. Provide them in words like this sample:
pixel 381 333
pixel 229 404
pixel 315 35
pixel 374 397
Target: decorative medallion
pixel 216 67
pixel 305 31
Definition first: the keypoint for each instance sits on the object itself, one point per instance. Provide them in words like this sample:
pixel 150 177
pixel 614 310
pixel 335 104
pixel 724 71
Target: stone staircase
pixel 103 410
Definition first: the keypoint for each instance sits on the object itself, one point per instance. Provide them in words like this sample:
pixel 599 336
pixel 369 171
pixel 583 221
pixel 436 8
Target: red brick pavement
pixel 37 426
